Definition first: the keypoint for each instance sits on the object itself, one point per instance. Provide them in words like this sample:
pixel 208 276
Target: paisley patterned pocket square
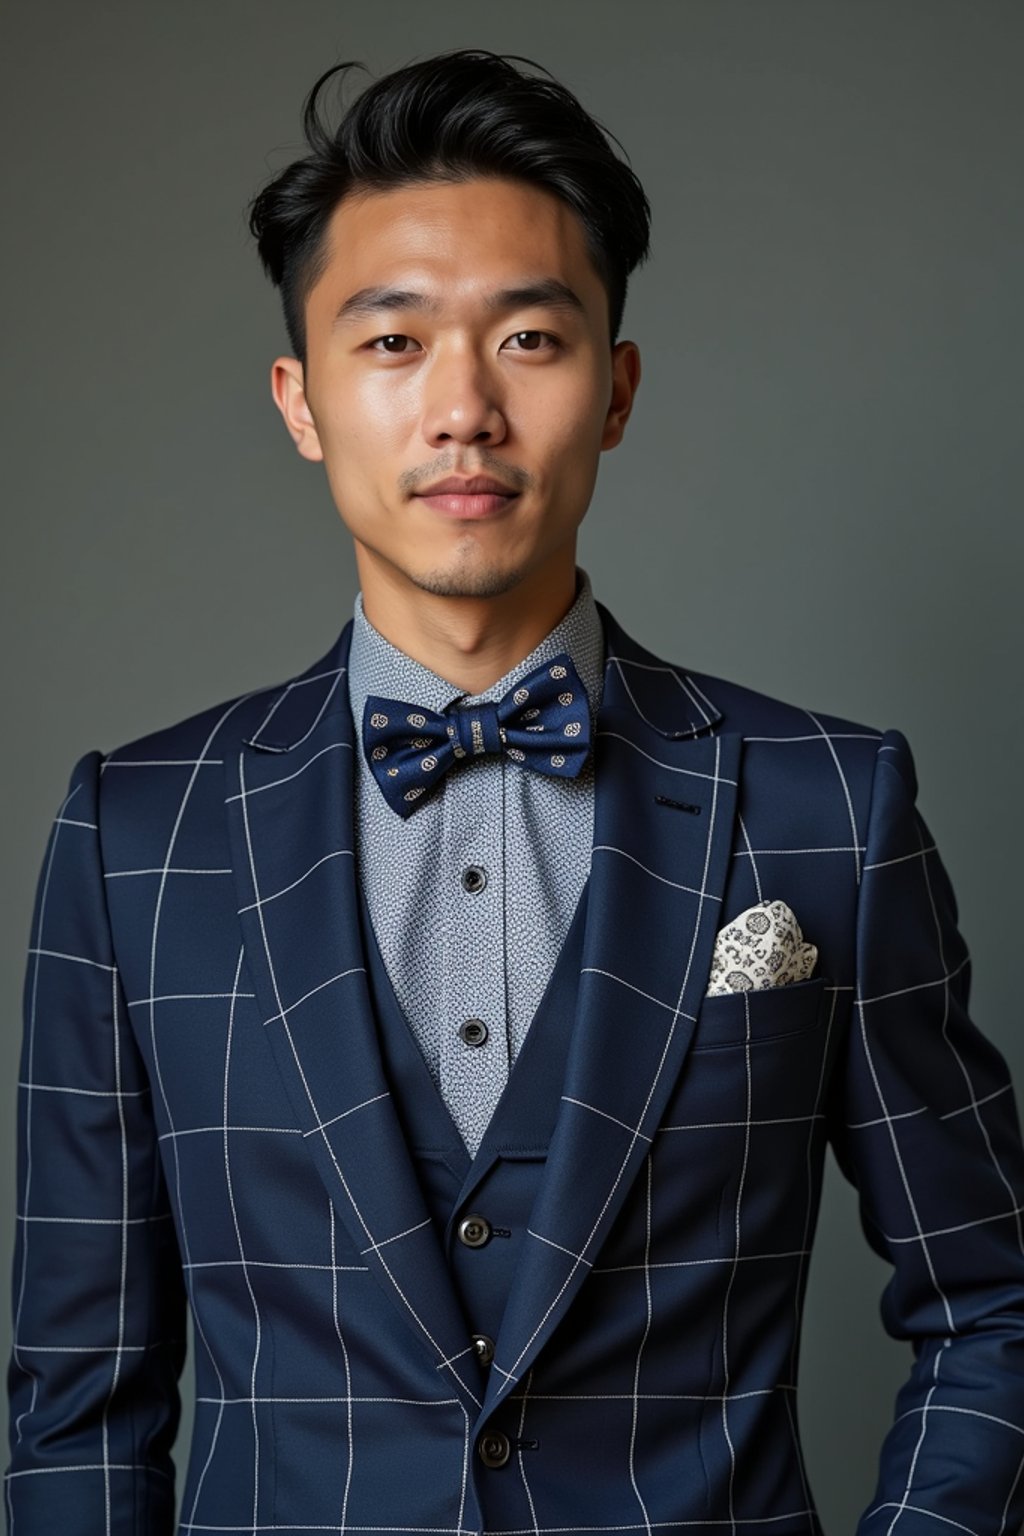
pixel 762 947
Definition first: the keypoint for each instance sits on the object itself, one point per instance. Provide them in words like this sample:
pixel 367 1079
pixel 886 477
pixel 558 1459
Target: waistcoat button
pixel 474 1230
pixel 484 1348
pixel 495 1448
pixel 474 878
pixel 473 1031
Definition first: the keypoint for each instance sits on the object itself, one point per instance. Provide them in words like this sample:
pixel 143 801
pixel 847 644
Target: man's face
pixel 450 366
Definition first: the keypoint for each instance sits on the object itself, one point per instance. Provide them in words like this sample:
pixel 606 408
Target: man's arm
pixel 923 1122
pixel 98 1297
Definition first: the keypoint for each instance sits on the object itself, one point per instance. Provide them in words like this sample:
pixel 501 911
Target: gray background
pixel 818 494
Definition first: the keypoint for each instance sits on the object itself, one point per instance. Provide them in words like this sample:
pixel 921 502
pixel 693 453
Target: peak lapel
pixel 657 876
pixel 289 800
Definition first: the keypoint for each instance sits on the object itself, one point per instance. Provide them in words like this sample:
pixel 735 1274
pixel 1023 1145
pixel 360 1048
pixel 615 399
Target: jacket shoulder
pixel 758 714
pixel 220 728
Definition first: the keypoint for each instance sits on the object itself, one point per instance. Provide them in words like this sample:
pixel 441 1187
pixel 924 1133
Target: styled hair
pixel 457 115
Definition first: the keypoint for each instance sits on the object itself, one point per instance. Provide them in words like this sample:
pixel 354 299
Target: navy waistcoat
pixel 501 1181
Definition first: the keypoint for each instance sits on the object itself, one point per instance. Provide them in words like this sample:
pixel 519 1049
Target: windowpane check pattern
pixel 205 1121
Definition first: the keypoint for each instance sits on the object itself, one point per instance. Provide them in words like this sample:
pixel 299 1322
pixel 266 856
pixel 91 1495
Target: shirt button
pixel 494 1448
pixel 473 1031
pixel 484 1345
pixel 474 878
pixel 474 1230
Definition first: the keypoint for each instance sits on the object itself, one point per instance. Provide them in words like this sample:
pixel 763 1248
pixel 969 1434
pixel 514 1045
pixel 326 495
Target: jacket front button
pixel 495 1448
pixel 474 1230
pixel 484 1345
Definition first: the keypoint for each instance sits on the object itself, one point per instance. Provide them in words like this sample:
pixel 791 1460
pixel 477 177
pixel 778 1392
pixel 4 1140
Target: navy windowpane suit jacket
pixel 205 1121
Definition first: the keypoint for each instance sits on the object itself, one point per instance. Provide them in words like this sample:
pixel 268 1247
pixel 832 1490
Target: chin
pixel 485 579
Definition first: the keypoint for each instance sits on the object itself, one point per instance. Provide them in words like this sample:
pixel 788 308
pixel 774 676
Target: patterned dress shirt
pixel 471 897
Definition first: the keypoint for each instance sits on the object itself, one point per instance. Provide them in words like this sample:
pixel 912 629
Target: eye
pixel 390 351
pixel 542 336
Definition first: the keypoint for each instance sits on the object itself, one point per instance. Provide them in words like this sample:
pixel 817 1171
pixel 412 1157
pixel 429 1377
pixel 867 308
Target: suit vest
pixel 480 1205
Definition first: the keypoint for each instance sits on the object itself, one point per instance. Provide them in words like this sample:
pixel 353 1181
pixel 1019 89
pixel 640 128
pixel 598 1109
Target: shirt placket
pixel 473 1075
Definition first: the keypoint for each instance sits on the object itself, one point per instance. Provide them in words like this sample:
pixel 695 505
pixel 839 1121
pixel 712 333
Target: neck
pixel 469 641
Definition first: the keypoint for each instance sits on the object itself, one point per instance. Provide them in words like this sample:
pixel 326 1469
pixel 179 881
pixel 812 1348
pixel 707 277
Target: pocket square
pixel 762 947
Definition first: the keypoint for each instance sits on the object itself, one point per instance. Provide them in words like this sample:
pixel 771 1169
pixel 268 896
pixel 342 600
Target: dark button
pixel 484 1348
pixel 473 1031
pixel 474 1230
pixel 474 878
pixel 495 1448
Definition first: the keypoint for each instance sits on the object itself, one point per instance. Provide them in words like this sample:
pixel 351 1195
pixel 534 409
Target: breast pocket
pixel 766 1013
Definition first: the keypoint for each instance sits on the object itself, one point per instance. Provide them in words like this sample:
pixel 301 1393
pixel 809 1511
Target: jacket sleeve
pixel 98 1297
pixel 923 1121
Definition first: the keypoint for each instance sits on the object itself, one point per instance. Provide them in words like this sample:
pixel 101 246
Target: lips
pixel 477 497
pixel 476 485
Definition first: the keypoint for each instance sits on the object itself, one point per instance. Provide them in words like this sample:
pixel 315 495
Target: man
pixel 458 1027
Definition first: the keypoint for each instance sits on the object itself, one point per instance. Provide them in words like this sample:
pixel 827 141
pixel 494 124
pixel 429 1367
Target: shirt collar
pixel 377 666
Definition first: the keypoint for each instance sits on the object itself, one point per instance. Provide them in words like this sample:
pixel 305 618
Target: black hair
pixel 460 114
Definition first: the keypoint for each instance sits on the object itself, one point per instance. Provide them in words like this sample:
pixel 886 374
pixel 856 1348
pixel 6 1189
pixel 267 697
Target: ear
pixel 625 379
pixel 287 386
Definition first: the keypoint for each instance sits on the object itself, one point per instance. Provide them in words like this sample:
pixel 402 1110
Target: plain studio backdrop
pixel 818 494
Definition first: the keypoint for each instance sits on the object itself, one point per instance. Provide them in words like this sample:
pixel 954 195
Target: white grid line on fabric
pixel 186 997
pixel 396 1237
pixel 276 1018
pixel 258 1341
pixel 902 858
pixel 88 1466
pixel 961 1226
pixel 336 853
pixel 861 1006
pixel 748 852
pixel 809 1215
pixel 649 1310
pixel 676 885
pixel 920 986
pixel 163 762
pixel 688 773
pixel 744 853
pixel 93 1221
pixel 286 778
pixel 323 1125
pixel 55 954
pixel 718 1258
pixel 87 1093
pixel 288 1264
pixel 350 1441
pixel 568 1099
pixel 846 788
pixel 330 1396
pixel 123 874
pixel 205 1130
pixel 748 1089
pixel 596 970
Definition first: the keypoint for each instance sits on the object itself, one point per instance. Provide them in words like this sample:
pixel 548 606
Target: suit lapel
pixel 290 809
pixel 657 875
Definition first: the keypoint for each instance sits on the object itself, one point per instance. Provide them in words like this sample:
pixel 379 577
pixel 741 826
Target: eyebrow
pixel 542 293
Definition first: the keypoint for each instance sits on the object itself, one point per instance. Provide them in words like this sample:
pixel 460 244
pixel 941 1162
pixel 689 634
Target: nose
pixel 462 402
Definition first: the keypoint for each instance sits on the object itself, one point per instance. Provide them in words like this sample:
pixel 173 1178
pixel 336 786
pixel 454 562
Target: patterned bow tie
pixel 543 722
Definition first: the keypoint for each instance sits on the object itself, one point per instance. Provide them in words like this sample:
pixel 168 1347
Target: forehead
pixel 460 237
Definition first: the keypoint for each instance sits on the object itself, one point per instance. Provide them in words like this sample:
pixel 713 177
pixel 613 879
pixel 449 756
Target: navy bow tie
pixel 542 722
